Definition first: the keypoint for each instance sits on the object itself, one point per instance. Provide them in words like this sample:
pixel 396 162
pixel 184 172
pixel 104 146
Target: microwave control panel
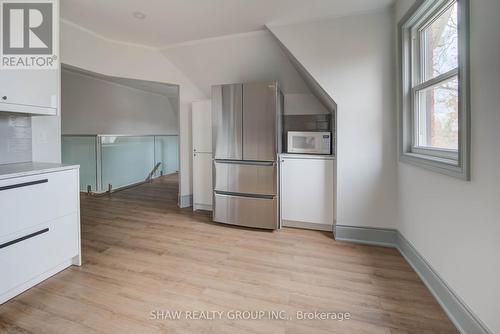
pixel 326 143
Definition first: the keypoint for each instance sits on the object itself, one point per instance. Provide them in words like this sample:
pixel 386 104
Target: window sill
pixel 444 166
pixel 445 161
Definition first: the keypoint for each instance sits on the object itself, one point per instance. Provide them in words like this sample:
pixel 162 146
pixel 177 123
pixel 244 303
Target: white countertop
pixel 9 171
pixel 306 156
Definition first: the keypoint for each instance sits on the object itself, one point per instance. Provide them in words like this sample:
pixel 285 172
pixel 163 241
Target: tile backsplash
pixel 317 122
pixel 15 138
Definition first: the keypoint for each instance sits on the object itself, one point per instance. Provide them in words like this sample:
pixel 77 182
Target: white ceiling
pixel 174 21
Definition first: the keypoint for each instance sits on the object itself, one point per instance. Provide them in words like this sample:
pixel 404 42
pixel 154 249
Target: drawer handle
pixel 240 195
pixel 245 162
pixel 29 236
pixel 25 184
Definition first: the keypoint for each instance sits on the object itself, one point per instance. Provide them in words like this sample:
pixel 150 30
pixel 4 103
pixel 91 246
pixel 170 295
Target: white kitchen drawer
pixel 32 200
pixel 26 259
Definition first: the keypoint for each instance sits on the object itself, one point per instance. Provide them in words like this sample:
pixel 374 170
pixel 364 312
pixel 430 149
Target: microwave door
pixel 309 142
pixel 303 144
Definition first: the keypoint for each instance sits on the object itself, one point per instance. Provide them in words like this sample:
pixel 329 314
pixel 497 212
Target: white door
pixel 202 181
pixel 307 192
pixel 202 155
pixel 202 126
pixel 29 91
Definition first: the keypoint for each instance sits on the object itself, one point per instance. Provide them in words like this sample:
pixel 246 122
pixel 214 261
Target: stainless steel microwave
pixel 309 142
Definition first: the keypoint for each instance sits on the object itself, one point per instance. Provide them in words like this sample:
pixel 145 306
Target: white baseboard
pixel 459 313
pixel 185 201
pixel 305 225
pixel 202 207
pixel 366 235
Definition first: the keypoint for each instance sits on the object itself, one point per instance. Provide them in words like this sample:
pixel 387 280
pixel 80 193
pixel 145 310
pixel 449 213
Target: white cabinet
pixel 308 192
pixel 202 181
pixel 202 126
pixel 202 155
pixel 29 91
pixel 39 227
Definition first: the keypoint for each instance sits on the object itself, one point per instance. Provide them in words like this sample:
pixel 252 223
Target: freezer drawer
pixel 246 177
pixel 246 211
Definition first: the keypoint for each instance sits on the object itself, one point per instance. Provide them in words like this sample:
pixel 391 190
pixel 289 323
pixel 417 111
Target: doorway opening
pixel 121 131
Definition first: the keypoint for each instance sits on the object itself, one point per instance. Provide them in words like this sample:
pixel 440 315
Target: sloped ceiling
pixel 316 89
pixel 239 58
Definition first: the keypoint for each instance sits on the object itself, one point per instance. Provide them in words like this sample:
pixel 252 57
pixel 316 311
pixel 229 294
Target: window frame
pixel 411 80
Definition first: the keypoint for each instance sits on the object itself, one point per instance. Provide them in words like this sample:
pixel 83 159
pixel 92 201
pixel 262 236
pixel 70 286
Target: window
pixel 434 99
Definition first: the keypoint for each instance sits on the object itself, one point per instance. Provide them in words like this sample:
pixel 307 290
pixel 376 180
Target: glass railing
pixel 167 153
pixel 117 161
pixel 82 150
pixel 126 160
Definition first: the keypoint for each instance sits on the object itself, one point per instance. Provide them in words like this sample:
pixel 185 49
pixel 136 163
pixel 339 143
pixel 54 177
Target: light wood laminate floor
pixel 143 254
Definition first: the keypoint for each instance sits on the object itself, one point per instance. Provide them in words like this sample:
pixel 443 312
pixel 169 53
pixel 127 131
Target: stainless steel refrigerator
pixel 246 143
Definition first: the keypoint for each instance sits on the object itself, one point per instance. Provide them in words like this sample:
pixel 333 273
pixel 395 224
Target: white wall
pixel 352 59
pixel 455 224
pixel 86 50
pixel 96 106
pixel 303 104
